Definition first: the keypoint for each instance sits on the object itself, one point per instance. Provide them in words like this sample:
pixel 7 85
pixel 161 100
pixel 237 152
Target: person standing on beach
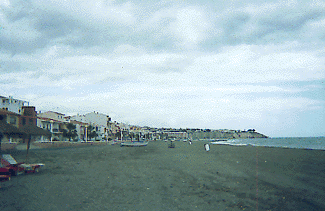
pixel 207 147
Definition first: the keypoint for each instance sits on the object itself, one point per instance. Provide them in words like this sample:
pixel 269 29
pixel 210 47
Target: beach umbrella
pixel 0 142
pixel 9 131
pixel 33 130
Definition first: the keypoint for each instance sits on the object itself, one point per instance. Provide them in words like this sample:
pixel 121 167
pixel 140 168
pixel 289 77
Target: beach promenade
pixel 156 177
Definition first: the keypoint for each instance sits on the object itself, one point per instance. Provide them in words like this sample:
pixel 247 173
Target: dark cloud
pixel 18 10
pixel 18 34
pixel 9 66
pixel 49 26
pixel 233 25
pixel 255 27
pixel 55 25
pixel 16 45
pixel 292 21
pixel 8 81
pixel 236 22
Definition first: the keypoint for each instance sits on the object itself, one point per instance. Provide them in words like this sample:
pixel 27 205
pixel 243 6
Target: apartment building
pixel 81 128
pixel 53 122
pixel 11 104
pixel 100 122
pixel 52 115
pixel 9 123
pixel 20 127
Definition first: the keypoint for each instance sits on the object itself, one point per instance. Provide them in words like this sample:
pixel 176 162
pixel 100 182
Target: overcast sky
pixel 178 63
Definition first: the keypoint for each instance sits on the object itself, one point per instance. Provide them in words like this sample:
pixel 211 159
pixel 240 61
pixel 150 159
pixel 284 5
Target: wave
pixel 228 143
pixel 286 143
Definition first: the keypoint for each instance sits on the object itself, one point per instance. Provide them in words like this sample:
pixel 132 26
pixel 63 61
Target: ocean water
pixel 295 142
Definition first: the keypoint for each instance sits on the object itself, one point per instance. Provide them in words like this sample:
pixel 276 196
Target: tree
pixel 132 136
pixel 71 131
pixel 91 133
pixel 147 136
pixel 118 135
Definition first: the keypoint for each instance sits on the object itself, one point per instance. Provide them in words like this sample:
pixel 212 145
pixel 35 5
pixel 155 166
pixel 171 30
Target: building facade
pixel 11 104
pixel 81 129
pixel 54 122
pixel 9 123
pixel 28 116
pixel 100 122
pixel 18 120
pixel 52 115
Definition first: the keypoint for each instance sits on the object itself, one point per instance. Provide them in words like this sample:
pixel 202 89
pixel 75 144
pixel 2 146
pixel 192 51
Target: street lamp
pixel 51 129
pixel 86 126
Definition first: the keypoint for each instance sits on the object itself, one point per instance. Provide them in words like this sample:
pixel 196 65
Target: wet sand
pixel 156 177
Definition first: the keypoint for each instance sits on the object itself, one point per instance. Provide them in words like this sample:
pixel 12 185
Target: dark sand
pixel 159 178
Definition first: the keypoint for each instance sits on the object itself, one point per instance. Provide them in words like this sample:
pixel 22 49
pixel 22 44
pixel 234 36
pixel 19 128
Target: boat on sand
pixel 134 144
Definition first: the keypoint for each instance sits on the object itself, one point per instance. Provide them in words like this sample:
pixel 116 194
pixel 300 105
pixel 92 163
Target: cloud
pixel 252 64
pixel 243 64
pixel 249 23
pixel 190 26
pixel 194 108
pixel 168 63
pixel 32 25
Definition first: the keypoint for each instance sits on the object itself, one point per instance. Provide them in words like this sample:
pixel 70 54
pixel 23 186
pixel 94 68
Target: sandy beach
pixel 156 177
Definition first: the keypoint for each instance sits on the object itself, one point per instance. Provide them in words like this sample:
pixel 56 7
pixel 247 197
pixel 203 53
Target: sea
pixel 317 143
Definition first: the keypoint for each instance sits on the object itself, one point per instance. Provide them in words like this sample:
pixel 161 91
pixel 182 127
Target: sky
pixel 180 64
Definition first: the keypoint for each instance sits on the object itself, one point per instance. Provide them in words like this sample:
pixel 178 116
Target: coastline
pixel 156 177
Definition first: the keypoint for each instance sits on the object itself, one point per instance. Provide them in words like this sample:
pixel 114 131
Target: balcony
pixel 56 130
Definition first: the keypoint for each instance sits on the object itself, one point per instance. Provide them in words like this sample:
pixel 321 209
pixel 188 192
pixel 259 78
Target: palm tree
pixel 131 135
pixel 91 133
pixel 71 132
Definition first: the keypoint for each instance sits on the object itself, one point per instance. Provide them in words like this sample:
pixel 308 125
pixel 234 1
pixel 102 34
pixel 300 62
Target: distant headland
pixel 163 133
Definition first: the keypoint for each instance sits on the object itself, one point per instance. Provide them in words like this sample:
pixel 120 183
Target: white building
pixel 81 128
pixel 13 105
pixel 52 115
pixel 100 122
pixel 53 122
pixel 92 118
pixel 51 125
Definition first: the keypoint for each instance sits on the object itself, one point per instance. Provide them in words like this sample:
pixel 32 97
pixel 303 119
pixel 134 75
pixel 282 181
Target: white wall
pixel 12 104
pixel 52 115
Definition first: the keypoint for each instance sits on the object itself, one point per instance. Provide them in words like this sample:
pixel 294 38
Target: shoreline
pixel 65 144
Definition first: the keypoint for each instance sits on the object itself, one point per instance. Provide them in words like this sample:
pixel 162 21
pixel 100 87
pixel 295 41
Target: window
pixel 23 122
pixel 12 120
